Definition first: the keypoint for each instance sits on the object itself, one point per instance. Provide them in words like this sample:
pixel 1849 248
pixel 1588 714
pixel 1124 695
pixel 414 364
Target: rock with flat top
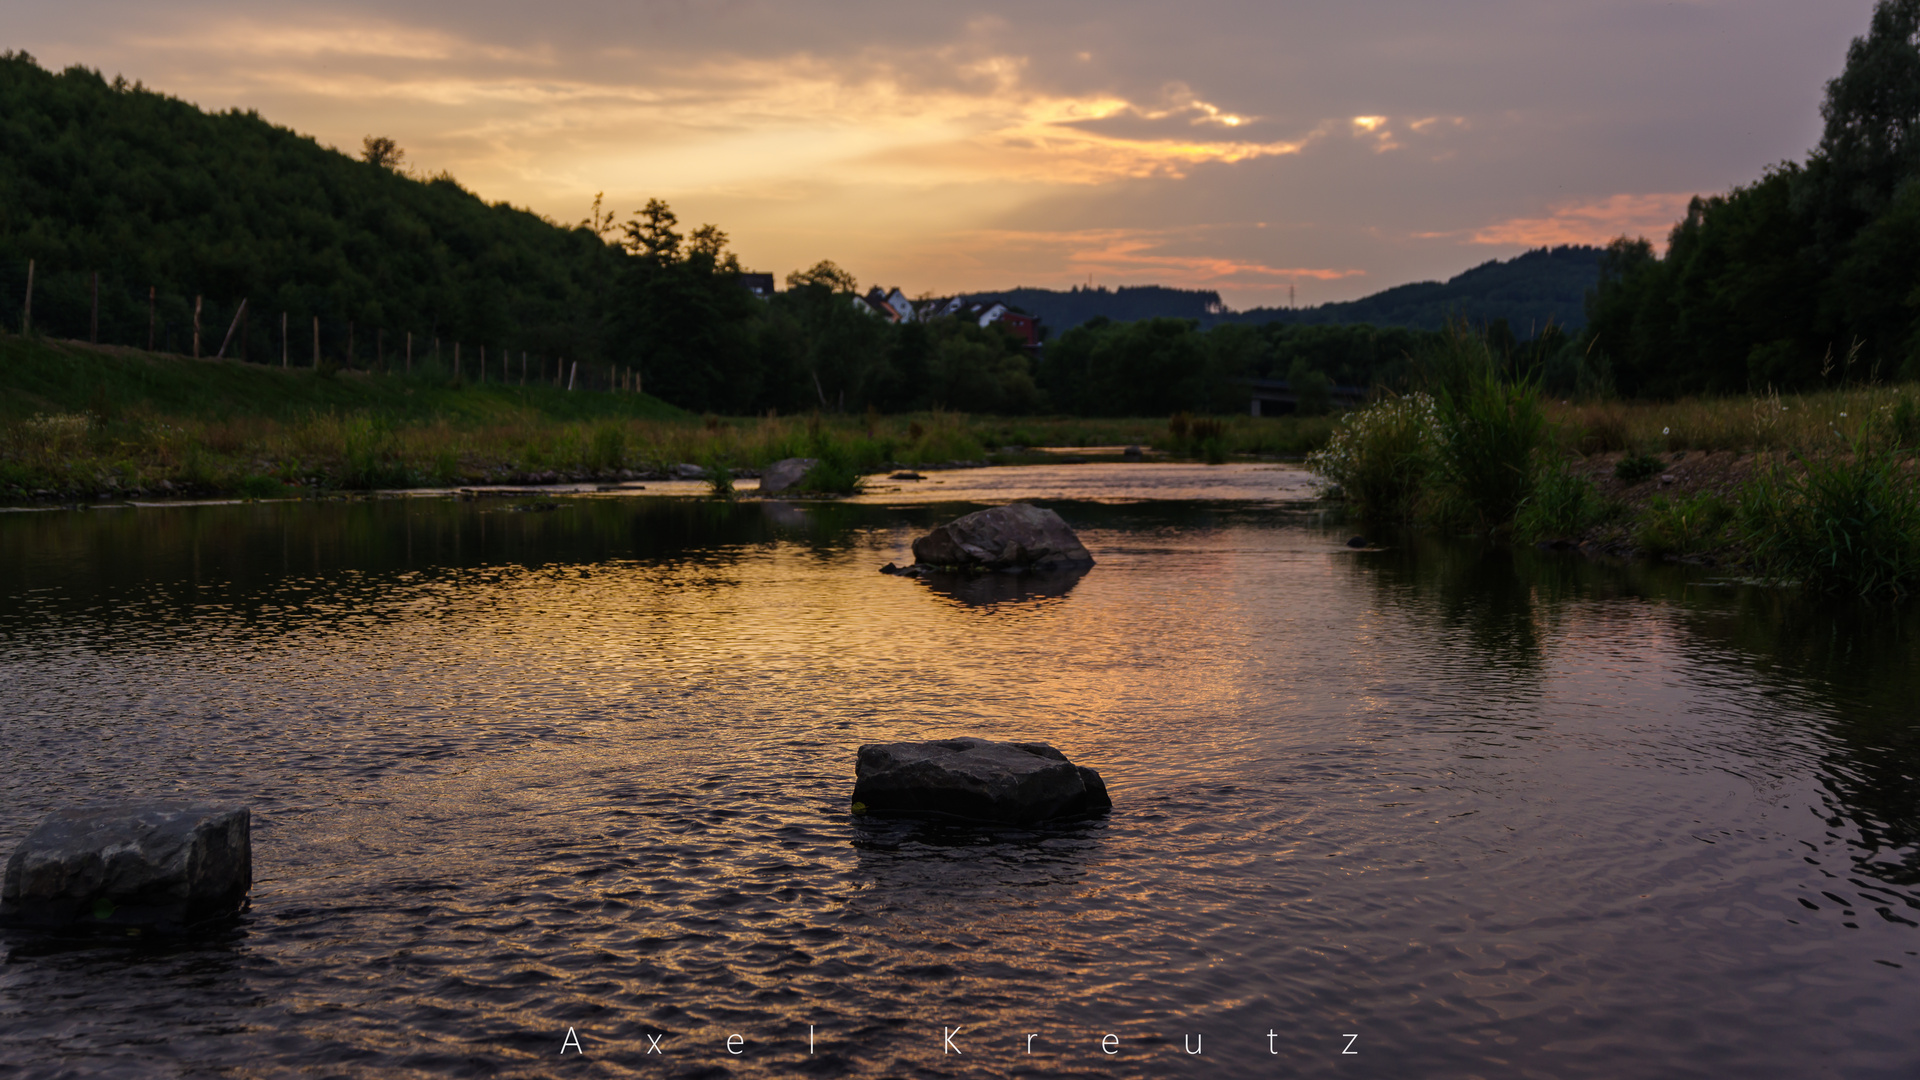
pixel 1016 537
pixel 163 864
pixel 785 473
pixel 970 779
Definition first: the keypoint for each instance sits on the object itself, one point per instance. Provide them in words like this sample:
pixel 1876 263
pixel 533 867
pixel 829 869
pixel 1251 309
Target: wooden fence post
pixel 380 347
pixel 483 363
pixel 456 360
pixel 349 344
pixel 572 375
pixel 152 291
pixel 283 340
pixel 409 352
pixel 316 343
pixel 196 327
pixel 523 367
pixel 93 326
pixel 231 327
pixel 26 314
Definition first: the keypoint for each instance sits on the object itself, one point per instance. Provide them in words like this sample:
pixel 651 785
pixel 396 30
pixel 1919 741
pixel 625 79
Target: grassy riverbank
pixel 1820 489
pixel 79 422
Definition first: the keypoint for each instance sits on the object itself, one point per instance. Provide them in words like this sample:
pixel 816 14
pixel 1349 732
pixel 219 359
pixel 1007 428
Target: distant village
pixel 893 306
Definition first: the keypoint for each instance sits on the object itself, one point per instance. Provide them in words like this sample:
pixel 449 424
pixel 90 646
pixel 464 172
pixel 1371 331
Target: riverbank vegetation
pixel 1821 489
pixel 81 422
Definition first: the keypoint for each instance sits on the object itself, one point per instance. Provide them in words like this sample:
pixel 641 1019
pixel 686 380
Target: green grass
pixel 1848 524
pixel 81 421
pixel 1686 526
pixel 43 377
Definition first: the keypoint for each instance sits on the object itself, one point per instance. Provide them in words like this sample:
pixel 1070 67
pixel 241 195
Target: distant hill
pixel 152 193
pixel 1547 284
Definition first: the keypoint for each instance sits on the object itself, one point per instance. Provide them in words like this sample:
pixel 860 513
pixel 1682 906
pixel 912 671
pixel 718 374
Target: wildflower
pixel 1666 431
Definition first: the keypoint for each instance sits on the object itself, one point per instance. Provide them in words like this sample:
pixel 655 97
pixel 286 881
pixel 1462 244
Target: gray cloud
pixel 915 139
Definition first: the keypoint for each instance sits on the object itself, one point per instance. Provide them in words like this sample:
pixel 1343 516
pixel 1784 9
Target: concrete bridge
pixel 1274 397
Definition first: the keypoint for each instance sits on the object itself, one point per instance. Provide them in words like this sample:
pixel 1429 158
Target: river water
pixel 537 772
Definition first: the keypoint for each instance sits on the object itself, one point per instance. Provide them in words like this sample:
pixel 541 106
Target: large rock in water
pixel 785 473
pixel 1016 537
pixel 1013 783
pixel 162 864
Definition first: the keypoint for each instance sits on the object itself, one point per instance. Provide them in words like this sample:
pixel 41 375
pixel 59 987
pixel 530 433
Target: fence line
pixel 80 305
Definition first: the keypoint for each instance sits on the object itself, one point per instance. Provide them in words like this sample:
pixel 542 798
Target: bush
pixel 1849 525
pixel 719 476
pixel 836 468
pixel 1682 527
pixel 1379 457
pixel 1492 432
pixel 1636 467
pixel 1563 503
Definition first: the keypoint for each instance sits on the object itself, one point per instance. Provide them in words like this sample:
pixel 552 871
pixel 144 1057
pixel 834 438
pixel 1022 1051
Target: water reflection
pixel 988 590
pixel 517 772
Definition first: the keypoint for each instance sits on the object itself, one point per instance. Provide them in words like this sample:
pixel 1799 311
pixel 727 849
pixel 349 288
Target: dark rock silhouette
pixel 970 779
pixel 166 865
pixel 1019 537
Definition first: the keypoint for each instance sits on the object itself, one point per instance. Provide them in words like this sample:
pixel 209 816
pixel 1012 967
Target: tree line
pixel 1808 276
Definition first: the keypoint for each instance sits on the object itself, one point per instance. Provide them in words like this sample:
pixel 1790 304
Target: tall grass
pixel 1493 432
pixel 1848 524
pixel 1562 504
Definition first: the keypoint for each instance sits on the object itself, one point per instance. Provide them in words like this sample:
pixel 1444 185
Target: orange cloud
pixel 1591 222
pixel 1124 255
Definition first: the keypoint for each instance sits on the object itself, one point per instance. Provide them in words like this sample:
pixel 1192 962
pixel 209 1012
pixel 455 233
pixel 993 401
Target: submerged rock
pixel 163 864
pixel 785 473
pixel 969 779
pixel 1016 537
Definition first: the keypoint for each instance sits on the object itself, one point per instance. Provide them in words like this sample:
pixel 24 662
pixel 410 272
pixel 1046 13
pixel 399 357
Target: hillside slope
pixel 1529 290
pixel 153 193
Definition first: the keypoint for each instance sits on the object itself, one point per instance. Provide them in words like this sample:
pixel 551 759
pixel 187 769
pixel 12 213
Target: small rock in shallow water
pixel 970 779
pixel 785 473
pixel 1016 537
pixel 1357 542
pixel 162 864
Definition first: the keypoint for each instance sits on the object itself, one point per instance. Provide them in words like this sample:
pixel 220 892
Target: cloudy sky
pixel 1240 145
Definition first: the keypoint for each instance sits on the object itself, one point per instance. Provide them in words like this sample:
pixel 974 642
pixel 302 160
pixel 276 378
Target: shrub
pixel 719 479
pixel 1379 457
pixel 260 487
pixel 1636 467
pixel 1849 525
pixel 1563 503
pixel 1492 432
pixel 836 469
pixel 1682 527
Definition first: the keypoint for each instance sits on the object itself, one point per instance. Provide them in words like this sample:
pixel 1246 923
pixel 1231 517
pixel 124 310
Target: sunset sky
pixel 1240 146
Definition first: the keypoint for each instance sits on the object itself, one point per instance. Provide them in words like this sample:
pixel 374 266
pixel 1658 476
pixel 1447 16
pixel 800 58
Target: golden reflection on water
pixel 514 767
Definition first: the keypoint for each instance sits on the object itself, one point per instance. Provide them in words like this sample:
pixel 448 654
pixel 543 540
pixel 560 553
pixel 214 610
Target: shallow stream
pixel 521 767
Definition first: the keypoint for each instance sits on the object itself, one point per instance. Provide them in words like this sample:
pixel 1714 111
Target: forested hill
pixel 1530 290
pixel 153 193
